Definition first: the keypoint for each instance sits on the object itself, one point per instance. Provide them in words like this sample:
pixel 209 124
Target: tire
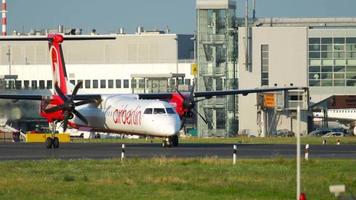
pixel 166 143
pixel 55 143
pixel 174 140
pixel 49 143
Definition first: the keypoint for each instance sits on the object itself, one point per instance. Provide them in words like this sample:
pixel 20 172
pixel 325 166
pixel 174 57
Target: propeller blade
pixel 54 109
pixel 200 115
pixel 76 88
pixel 80 116
pixel 79 103
pixel 65 121
pixel 180 94
pixel 60 93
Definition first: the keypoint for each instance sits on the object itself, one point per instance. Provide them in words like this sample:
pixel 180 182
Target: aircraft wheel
pixel 55 143
pixel 174 140
pixel 49 143
pixel 166 143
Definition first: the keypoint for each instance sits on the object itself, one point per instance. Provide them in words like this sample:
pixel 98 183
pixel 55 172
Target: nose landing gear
pixel 172 141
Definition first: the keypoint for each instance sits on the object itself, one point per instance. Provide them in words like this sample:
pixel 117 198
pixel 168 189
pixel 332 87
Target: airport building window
pixel 187 81
pixel 87 83
pixel 49 84
pixel 72 82
pixel 126 83
pixel 95 83
pixel 141 83
pixel 18 85
pixel 118 83
pixel 34 84
pixel 264 64
pixel 220 118
pixel 180 81
pixel 26 84
pixel 332 61
pixel 133 83
pixel 42 84
pixel 80 81
pixel 102 83
pixel 110 83
pixel 219 84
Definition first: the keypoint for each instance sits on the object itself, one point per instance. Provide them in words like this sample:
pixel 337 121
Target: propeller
pixel 68 107
pixel 189 104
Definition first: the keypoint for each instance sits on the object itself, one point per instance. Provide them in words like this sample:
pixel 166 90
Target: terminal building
pixel 230 52
pixel 314 53
pixel 142 62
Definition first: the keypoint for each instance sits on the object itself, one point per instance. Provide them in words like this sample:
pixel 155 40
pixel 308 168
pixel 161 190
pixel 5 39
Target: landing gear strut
pixel 171 141
pixel 52 141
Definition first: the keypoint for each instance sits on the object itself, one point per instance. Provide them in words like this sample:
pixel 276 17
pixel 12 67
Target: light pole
pixel 177 57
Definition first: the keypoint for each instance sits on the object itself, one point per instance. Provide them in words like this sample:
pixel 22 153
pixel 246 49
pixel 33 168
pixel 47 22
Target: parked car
pixel 285 133
pixel 334 134
pixel 319 132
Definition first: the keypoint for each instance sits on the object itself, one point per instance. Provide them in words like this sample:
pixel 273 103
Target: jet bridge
pixel 277 112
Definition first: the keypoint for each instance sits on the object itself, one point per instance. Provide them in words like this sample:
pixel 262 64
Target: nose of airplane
pixel 173 127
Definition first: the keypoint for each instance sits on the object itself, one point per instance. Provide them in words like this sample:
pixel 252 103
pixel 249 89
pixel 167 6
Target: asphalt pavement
pixel 36 151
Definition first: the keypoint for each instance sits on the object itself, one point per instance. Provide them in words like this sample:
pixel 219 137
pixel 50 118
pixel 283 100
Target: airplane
pixel 346 116
pixel 154 114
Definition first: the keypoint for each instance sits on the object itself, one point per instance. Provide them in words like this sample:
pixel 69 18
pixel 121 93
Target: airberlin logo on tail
pixel 129 117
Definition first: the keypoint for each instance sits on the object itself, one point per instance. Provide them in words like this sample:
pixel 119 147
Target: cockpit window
pixel 159 111
pixel 170 110
pixel 148 111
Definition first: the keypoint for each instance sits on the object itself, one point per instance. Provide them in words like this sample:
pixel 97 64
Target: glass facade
pixel 332 61
pixel 217 61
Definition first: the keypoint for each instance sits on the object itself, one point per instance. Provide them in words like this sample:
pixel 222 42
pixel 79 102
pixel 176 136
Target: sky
pixel 107 16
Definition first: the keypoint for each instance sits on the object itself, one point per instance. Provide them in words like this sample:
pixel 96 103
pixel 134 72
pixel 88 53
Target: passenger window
pixel 170 111
pixel 159 111
pixel 148 111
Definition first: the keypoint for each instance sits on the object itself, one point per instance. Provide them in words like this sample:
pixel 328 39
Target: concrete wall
pixel 125 49
pixel 287 65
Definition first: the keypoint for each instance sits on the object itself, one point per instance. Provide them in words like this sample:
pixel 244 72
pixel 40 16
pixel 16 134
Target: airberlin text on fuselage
pixel 129 117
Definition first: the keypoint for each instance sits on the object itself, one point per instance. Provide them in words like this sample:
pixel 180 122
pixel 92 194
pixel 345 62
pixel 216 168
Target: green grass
pixel 163 178
pixel 235 140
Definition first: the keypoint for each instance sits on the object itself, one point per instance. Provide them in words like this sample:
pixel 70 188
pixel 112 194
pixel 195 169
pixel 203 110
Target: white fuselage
pixel 129 115
pixel 338 114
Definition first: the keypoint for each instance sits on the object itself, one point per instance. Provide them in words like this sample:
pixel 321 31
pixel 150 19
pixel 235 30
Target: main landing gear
pixel 52 141
pixel 172 141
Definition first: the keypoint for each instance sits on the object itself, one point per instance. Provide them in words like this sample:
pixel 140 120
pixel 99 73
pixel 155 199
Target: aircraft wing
pixel 209 94
pixel 43 97
pixel 244 92
pixel 23 96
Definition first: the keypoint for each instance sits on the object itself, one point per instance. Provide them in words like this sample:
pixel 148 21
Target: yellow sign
pixel 41 137
pixel 269 100
pixel 194 71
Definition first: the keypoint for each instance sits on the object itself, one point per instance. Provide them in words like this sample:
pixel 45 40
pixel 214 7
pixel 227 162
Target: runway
pixel 36 151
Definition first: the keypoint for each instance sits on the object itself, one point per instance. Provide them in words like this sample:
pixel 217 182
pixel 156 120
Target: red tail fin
pixel 58 65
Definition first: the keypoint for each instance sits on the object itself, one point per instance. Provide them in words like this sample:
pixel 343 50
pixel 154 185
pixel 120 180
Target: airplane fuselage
pixel 338 114
pixel 129 115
